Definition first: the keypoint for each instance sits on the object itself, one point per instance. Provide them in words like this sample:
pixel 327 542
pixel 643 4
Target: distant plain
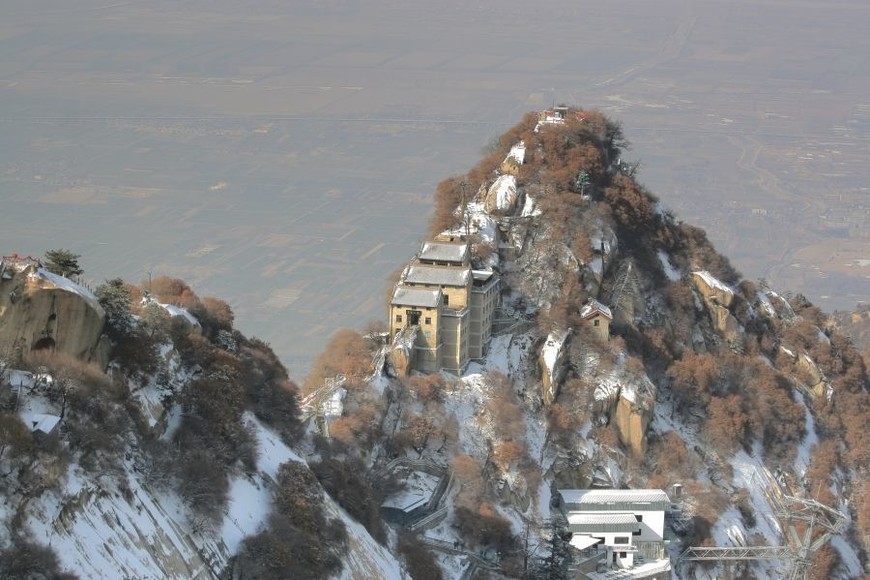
pixel 282 155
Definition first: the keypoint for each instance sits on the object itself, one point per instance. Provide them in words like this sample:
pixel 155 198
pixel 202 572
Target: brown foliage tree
pixel 449 197
pixel 632 207
pixel 172 291
pixel 484 526
pixel 419 561
pixel 348 353
pixel 726 423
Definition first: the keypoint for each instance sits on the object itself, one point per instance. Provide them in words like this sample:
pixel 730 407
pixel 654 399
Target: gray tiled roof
pixel 405 296
pixel 444 252
pixel 614 499
pixel 435 275
pixel 596 519
pixel 603 523
pixel 594 307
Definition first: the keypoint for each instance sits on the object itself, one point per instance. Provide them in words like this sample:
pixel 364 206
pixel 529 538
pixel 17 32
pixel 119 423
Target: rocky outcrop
pixel 502 196
pixel 40 310
pixel 552 364
pixel 718 298
pixel 631 420
pixel 632 412
pixel 402 354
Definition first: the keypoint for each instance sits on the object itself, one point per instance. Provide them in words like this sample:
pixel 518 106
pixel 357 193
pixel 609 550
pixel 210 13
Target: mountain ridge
pixel 704 379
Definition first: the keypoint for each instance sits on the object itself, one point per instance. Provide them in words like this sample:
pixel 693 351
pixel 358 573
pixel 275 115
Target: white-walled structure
pixel 625 525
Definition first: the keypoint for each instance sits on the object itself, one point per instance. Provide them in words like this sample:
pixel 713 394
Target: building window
pixel 428 320
pixel 596 322
pixel 620 540
pixel 622 554
pixel 638 518
pixel 398 318
pixel 445 299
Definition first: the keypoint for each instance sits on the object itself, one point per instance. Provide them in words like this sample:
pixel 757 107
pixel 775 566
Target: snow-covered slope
pixel 103 530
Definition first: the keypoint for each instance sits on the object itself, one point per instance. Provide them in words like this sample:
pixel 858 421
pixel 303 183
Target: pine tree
pixel 114 297
pixel 63 263
pixel 554 566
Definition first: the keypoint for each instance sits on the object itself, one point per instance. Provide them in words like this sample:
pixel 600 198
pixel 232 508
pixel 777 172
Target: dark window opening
pixel 620 540
pixel 428 320
pixel 398 318
pixel 596 322
pixel 45 343
pixel 638 518
pixel 445 299
pixel 413 317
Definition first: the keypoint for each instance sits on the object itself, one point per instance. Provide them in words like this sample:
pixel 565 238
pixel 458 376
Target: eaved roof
pixel 444 252
pixel 406 296
pixel 44 422
pixel 582 542
pixel 602 523
pixel 435 275
pixel 613 499
pixel 600 519
pixel 593 308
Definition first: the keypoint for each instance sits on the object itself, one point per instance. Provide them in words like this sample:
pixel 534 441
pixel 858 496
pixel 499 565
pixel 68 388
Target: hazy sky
pixel 282 155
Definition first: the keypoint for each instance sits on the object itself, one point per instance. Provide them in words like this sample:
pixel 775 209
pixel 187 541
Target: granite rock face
pixel 40 310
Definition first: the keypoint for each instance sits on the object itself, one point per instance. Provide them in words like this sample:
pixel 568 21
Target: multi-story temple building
pixel 444 308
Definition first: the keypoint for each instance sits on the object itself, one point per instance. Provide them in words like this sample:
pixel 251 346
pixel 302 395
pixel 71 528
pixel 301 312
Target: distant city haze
pixel 282 155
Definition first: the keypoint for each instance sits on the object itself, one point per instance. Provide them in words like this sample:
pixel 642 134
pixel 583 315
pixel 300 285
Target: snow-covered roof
pixel 609 499
pixel 418 490
pixel 445 252
pixel 405 296
pixel 594 308
pixel 40 421
pixel 438 275
pixel 603 523
pixel 601 519
pixel 18 378
pixel 582 542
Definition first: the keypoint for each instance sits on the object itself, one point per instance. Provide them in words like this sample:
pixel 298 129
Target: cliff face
pixel 718 299
pixel 41 310
pixel 632 418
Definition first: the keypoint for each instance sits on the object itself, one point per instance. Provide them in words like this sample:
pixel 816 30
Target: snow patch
pixel 504 190
pixel 672 273
pixel 713 282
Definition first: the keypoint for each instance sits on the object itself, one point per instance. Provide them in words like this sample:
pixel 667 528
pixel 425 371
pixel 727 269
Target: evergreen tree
pixel 554 566
pixel 114 297
pixel 63 263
